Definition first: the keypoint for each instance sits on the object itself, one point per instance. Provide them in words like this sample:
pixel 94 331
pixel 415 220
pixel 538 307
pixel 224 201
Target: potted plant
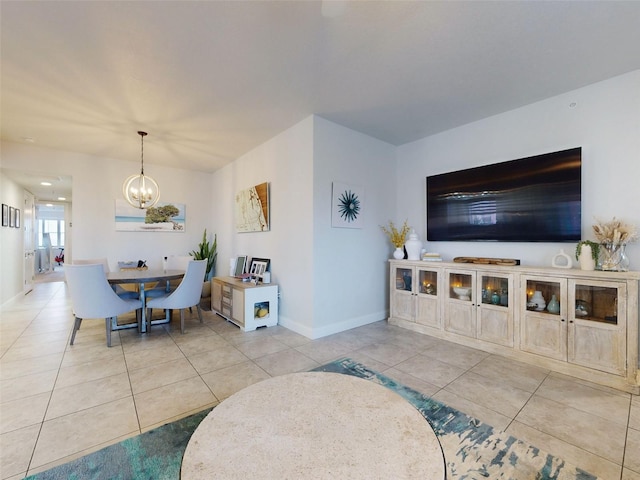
pixel 591 248
pixel 207 251
pixel 397 237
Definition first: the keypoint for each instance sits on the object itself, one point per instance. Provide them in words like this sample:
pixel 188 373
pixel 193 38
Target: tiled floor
pixel 59 402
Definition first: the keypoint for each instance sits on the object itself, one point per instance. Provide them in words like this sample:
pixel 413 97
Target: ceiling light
pixel 62 198
pixel 140 191
pixel 46 184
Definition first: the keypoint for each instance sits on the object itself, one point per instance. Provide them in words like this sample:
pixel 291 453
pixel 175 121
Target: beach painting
pixel 163 217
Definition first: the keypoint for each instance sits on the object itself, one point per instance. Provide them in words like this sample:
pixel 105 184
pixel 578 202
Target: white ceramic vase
pixel 413 246
pixel 398 253
pixel 586 258
pixel 538 299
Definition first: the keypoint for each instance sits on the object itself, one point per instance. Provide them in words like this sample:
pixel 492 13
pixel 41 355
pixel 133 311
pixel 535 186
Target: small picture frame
pixel 241 263
pixel 263 260
pixel 258 269
pixel 12 216
pixel 5 215
pixel 16 223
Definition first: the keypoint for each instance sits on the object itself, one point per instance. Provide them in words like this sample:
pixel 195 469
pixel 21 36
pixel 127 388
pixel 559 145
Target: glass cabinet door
pixel 461 286
pixel 543 326
pixel 495 313
pixel 428 281
pixel 597 325
pixel 404 279
pixel 427 301
pixel 495 290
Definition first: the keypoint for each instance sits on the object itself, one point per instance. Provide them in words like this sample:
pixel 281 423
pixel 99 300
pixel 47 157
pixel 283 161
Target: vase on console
pixel 398 253
pixel 614 257
pixel 413 246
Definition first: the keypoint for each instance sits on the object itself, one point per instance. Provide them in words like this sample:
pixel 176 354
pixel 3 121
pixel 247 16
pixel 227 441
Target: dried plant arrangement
pixel 397 237
pixel 615 231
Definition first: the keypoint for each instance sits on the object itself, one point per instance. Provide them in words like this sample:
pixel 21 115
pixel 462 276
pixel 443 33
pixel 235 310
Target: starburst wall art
pixel 347 206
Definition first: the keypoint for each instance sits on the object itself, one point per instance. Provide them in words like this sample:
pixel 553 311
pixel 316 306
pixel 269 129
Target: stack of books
pixel 431 257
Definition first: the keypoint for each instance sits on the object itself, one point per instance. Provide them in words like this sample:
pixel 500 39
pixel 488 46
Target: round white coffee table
pixel 314 425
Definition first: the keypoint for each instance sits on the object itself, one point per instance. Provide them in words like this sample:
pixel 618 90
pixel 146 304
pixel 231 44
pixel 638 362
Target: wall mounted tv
pixel 533 199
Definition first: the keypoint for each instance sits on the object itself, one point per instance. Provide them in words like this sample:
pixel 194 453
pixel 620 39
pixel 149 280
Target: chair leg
pixel 182 321
pixel 76 327
pixel 107 322
pixel 199 313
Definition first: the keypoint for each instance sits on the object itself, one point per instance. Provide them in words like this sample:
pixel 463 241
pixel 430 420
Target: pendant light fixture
pixel 140 191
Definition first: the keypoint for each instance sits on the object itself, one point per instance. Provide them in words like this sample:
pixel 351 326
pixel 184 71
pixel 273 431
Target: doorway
pixel 50 239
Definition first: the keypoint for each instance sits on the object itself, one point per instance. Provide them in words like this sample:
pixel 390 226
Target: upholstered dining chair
pixel 172 262
pixel 93 297
pixel 187 294
pixel 122 292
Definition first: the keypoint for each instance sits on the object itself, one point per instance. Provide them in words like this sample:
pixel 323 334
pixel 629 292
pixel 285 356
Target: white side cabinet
pixel 587 328
pixel 245 304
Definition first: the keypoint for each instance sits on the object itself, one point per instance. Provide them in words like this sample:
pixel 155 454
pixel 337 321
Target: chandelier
pixel 140 191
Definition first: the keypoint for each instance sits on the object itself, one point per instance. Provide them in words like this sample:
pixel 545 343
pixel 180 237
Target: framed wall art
pixel 16 222
pixel 347 204
pixel 252 209
pixel 5 215
pixel 12 216
pixel 164 217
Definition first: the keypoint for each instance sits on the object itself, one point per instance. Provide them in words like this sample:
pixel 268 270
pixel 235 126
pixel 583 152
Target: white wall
pixel 97 182
pixel 350 265
pixel 11 244
pixel 605 122
pixel 286 163
pixel 330 279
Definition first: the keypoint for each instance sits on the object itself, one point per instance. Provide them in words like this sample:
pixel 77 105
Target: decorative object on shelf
pixel 487 261
pixel 582 308
pixel 614 257
pixel 413 246
pixel 397 237
pixel 140 191
pixel 429 289
pixel 613 237
pixel 553 306
pixel 587 254
pixel 495 298
pixel 407 281
pixel 463 293
pixel 347 203
pixel 504 298
pixel 561 260
pixel 538 300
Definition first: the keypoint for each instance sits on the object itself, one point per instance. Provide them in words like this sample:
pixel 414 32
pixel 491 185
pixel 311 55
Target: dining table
pixel 141 277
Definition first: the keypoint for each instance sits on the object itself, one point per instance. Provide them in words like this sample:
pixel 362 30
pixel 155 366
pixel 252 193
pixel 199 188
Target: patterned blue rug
pixel 472 449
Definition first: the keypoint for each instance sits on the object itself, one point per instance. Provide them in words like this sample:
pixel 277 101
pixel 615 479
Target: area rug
pixel 472 449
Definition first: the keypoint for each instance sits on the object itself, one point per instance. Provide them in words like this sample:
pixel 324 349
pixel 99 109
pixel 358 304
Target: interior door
pixel 28 229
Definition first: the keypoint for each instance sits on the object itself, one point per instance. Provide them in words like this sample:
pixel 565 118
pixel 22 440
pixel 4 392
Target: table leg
pixel 143 318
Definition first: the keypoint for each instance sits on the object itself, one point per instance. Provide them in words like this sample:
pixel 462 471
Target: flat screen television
pixel 533 199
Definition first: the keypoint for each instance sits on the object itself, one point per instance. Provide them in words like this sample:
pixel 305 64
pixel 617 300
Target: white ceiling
pixel 211 80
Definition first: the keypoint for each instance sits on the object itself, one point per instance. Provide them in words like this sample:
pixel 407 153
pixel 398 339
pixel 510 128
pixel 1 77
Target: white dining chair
pixel 187 294
pixel 93 297
pixel 122 292
pixel 171 262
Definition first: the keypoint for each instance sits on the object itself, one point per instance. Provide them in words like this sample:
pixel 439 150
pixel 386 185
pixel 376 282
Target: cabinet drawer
pixel 226 310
